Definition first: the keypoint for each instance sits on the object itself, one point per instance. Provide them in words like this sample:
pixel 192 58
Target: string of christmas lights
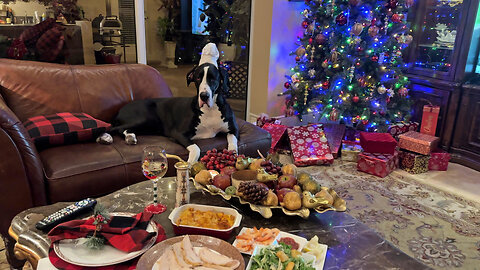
pixel 349 64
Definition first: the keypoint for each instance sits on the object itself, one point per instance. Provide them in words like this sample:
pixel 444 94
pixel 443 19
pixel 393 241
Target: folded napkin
pixel 124 233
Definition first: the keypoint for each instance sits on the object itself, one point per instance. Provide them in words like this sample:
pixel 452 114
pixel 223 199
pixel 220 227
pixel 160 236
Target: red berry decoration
pixel 396 18
pixel 287 85
pixel 341 19
pixel 320 39
pixel 216 160
pixel 310 41
pixel 305 24
pixel 297 58
pixel 326 85
pixel 356 99
pixel 374 58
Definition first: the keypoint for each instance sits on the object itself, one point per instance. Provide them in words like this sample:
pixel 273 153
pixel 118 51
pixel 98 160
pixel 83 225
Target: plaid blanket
pixel 127 234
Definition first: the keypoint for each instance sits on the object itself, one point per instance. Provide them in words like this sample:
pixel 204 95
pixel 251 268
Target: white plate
pixel 75 252
pixel 306 257
pixel 241 232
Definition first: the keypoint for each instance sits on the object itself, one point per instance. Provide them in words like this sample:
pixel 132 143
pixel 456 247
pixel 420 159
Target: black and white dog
pixel 181 118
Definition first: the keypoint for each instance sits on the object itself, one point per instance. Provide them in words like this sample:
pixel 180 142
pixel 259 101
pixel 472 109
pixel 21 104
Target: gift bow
pixel 125 233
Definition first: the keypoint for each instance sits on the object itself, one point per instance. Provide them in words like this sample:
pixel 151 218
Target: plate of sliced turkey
pixel 198 252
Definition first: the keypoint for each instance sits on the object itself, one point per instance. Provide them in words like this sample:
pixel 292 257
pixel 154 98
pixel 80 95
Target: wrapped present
pixel 377 164
pixel 400 128
pixel 264 119
pixel 418 142
pixel 382 143
pixel 350 151
pixel 279 136
pixel 334 133
pixel 309 145
pixel 429 119
pixel 438 160
pixel 413 162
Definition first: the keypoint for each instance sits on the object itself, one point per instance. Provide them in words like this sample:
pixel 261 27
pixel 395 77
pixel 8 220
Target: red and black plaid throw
pixel 64 128
pixel 33 33
pixel 50 44
pixel 61 264
pixel 127 234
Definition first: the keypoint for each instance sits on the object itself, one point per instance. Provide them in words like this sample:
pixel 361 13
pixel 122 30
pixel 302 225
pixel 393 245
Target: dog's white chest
pixel 211 123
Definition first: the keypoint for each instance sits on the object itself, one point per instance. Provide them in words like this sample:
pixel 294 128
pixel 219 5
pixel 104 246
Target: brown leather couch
pixel 29 177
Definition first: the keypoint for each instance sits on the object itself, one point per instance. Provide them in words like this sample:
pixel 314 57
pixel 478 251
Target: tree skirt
pixel 439 229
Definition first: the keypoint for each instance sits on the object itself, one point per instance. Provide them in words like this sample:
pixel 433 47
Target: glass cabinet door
pixel 436 37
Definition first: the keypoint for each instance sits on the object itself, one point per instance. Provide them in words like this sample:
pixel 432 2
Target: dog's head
pixel 209 81
pixel 208 78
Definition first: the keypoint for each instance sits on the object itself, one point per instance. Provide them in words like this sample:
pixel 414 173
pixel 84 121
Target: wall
pixel 155 48
pixel 19 8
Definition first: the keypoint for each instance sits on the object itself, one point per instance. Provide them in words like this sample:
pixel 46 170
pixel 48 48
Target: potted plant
pixel 166 29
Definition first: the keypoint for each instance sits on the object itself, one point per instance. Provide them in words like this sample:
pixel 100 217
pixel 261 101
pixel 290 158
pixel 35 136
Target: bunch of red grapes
pixel 270 167
pixel 217 160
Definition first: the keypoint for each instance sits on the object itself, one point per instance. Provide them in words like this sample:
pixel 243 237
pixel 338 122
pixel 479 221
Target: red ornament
pixel 396 18
pixel 365 122
pixel 374 21
pixel 320 38
pixel 310 41
pixel 403 92
pixel 333 115
pixel 326 85
pixel 382 113
pixel 374 58
pixel 392 4
pixel 305 24
pixel 297 58
pixel 287 85
pixel 353 3
pixel 355 99
pixel 341 19
pixel 359 49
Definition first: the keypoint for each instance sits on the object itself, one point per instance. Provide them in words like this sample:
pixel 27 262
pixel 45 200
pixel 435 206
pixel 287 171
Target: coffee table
pixel 351 243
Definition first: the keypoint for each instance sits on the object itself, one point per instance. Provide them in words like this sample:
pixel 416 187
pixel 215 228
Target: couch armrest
pixel 21 171
pixel 253 138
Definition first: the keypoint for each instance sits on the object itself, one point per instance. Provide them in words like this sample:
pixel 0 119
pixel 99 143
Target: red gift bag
pixel 429 119
pixel 438 160
pixel 309 145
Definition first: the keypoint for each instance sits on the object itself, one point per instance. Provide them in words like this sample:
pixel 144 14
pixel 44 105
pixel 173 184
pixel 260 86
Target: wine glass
pixel 154 167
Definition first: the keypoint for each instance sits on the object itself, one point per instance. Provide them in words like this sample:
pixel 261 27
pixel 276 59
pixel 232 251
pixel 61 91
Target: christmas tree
pixel 349 62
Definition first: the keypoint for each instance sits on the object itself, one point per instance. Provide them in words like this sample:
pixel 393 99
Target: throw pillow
pixel 64 128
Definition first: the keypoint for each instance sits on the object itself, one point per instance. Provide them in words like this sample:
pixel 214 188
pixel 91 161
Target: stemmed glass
pixel 154 167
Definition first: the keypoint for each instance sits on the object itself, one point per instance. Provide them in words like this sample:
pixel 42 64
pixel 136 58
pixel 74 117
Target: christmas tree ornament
pixel 300 51
pixel 390 92
pixel 353 3
pixel 355 99
pixel 409 3
pixel 357 29
pixel 373 21
pixel 311 73
pixel 381 89
pixel 311 28
pixel 403 91
pixel 382 113
pixel 365 122
pixel 325 64
pixel 341 19
pixel 398 53
pixel 375 58
pixel 305 96
pixel 297 58
pixel 326 84
pixel 408 39
pixel 336 65
pixel 396 18
pixel 305 24
pixel 373 31
pixel 333 115
pixel 334 56
pixel 287 85
pixel 306 13
pixel 310 41
pixel 392 4
pixel 320 38
pixel 362 82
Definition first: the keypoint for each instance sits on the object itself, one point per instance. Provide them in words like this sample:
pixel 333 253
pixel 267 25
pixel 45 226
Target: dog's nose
pixel 204 96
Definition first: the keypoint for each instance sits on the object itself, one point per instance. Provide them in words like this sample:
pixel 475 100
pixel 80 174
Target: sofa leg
pixel 11 259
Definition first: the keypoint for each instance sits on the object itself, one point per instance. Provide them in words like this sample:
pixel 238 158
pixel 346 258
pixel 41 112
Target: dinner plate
pixel 75 252
pixel 149 258
pixel 307 257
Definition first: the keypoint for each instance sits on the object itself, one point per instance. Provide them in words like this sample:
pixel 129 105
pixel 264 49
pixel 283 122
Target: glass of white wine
pixel 154 167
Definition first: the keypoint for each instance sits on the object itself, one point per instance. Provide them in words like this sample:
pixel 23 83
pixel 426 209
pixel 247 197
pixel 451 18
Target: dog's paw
pixel 105 138
pixel 194 153
pixel 233 147
pixel 130 139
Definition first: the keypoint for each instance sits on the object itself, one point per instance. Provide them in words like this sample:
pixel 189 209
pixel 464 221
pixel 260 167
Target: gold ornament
pixel 334 56
pixel 373 30
pixel 357 29
pixel 300 51
pixel 336 65
pixel 381 89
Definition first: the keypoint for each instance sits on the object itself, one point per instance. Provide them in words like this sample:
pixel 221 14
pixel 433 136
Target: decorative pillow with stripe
pixel 64 128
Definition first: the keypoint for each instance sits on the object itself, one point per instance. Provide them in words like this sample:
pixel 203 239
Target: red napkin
pixel 128 265
pixel 124 233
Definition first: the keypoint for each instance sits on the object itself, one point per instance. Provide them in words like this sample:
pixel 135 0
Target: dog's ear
pixel 224 81
pixel 190 75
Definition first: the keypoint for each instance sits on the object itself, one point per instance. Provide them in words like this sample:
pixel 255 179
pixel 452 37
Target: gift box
pixel 382 143
pixel 438 160
pixel 309 145
pixel 429 119
pixel 350 151
pixel 413 162
pixel 279 136
pixel 264 119
pixel 418 142
pixel 377 164
pixel 334 133
pixel 400 128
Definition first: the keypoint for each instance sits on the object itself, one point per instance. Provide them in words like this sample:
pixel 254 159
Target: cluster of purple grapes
pixel 270 167
pixel 217 160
